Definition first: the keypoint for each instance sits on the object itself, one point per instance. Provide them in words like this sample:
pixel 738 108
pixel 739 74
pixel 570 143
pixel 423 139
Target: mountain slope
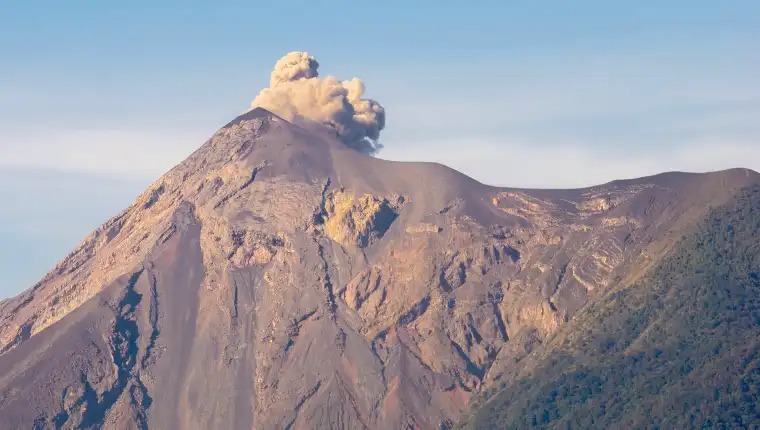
pixel 680 349
pixel 278 279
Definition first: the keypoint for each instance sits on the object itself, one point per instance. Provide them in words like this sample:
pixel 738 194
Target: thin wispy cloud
pixel 111 152
pixel 515 163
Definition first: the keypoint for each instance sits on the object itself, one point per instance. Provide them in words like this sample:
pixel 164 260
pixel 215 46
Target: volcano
pixel 279 279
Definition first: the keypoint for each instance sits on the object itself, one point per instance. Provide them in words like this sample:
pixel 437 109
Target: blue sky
pixel 97 100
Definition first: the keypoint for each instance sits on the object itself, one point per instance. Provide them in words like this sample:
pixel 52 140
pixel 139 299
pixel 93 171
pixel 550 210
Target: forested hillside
pixel 680 349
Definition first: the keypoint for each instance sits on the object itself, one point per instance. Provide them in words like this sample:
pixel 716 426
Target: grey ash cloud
pixel 297 91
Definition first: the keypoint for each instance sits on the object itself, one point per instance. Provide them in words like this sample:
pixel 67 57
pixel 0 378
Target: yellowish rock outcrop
pixel 353 221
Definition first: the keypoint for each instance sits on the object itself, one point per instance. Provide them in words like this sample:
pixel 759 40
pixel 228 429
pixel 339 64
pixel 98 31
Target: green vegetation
pixel 681 349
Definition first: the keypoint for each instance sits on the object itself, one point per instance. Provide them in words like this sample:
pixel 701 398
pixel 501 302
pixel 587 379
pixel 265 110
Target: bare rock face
pixel 352 221
pixel 278 279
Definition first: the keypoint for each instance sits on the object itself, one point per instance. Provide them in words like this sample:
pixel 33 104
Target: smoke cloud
pixel 296 90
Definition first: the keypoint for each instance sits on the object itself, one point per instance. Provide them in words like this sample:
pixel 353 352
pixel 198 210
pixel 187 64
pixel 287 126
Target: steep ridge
pixel 679 349
pixel 278 279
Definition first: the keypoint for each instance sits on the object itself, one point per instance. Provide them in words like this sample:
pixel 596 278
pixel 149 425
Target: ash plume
pixel 296 90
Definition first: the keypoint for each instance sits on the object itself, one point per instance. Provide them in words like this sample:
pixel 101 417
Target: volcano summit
pixel 281 277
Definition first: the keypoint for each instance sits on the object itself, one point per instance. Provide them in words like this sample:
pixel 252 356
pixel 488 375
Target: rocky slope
pixel 278 279
pixel 678 349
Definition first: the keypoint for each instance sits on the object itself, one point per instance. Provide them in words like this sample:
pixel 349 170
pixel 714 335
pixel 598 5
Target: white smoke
pixel 296 90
